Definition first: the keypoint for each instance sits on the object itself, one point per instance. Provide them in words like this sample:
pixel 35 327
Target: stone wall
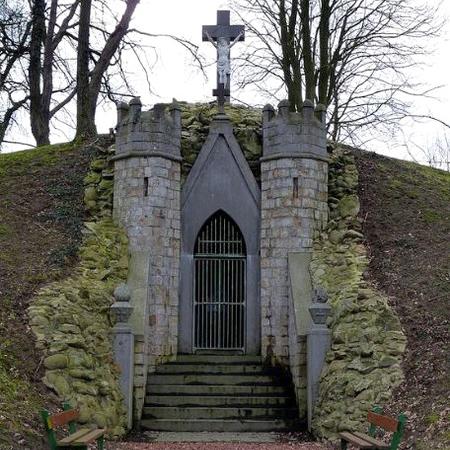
pixel 71 322
pixel 290 213
pixel 196 120
pixel 139 379
pixel 297 366
pixel 363 364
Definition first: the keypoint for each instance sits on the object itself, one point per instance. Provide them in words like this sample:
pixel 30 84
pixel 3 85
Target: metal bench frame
pixel 76 439
pixel 369 441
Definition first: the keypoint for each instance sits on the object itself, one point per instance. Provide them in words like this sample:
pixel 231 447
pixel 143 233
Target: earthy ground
pixel 41 212
pixel 406 212
pixel 217 446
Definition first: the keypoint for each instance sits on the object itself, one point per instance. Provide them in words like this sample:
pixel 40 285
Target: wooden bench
pixel 76 439
pixel 369 441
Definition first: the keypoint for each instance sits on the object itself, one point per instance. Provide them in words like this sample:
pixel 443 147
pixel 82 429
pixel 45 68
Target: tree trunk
pixel 324 72
pixel 308 59
pixel 290 62
pixel 88 90
pixel 85 117
pixel 39 120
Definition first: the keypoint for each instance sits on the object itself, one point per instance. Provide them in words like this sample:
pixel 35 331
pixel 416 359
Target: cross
pixel 222 94
pixel 225 35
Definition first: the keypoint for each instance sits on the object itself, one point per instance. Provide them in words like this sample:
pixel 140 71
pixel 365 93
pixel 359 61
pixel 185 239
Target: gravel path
pixel 214 446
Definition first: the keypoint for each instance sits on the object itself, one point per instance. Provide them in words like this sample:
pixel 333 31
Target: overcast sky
pixel 174 74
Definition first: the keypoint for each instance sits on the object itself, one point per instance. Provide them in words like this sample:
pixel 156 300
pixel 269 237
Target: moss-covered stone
pixel 99 185
pixel 56 362
pixel 363 365
pixel 348 205
pixel 195 128
pixel 71 322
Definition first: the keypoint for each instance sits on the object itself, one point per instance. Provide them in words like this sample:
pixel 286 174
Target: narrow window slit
pixel 145 186
pixel 295 187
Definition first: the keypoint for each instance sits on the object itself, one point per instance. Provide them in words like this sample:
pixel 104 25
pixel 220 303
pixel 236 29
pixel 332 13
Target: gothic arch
pixel 220 180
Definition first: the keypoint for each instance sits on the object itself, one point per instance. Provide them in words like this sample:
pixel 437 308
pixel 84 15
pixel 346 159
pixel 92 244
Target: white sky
pixel 174 74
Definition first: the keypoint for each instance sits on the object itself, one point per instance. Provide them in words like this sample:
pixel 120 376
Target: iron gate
pixel 219 286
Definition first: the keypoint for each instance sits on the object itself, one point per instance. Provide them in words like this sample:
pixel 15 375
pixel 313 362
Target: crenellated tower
pixel 294 177
pixel 147 205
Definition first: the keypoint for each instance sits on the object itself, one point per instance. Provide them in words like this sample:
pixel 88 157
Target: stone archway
pixel 220 182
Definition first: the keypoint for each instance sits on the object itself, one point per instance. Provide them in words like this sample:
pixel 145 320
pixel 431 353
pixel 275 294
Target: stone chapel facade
pixel 219 263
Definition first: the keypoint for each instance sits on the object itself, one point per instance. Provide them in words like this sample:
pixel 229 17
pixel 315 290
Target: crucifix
pixel 223 36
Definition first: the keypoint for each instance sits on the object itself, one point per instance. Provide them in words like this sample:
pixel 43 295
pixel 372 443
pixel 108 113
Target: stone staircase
pixel 218 393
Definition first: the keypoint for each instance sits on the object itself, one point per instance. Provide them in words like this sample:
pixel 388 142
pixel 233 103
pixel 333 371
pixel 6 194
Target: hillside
pixel 405 212
pixel 41 213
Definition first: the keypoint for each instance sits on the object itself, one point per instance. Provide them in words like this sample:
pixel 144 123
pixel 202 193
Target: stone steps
pixel 222 412
pixel 218 359
pixel 218 425
pixel 218 400
pixel 211 389
pixel 217 393
pixel 205 379
pixel 219 369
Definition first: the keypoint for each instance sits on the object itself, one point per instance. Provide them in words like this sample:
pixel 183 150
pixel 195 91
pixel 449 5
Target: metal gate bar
pixel 219 286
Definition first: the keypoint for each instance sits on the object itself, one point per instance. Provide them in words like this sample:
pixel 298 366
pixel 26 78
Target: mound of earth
pixel 405 207
pixel 406 213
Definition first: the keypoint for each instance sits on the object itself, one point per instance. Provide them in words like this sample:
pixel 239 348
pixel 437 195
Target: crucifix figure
pixel 223 36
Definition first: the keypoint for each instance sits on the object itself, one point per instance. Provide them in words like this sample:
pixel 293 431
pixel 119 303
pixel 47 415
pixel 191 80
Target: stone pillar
pixel 147 204
pixel 294 187
pixel 123 346
pixel 318 343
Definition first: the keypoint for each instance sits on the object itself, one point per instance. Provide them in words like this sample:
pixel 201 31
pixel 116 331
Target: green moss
pixel 71 322
pixel 432 216
pixel 432 418
pixel 363 365
pixel 196 119
pixel 5 231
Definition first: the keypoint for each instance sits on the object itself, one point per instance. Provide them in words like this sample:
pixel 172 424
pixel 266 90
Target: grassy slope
pixel 406 211
pixel 41 213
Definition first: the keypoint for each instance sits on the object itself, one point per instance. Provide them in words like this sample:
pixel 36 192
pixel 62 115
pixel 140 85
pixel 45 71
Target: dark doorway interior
pixel 219 289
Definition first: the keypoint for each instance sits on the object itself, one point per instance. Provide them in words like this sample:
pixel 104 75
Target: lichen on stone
pixel 71 320
pixel 195 121
pixel 363 365
pixel 99 185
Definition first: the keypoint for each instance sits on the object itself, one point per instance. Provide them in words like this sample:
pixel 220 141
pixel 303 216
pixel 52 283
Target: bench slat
pixel 74 436
pixel 92 436
pixel 63 418
pixel 387 423
pixel 379 444
pixel 350 437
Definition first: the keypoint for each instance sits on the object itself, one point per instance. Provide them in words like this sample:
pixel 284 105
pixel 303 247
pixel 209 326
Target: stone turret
pixel 154 131
pixel 292 134
pixel 147 205
pixel 294 177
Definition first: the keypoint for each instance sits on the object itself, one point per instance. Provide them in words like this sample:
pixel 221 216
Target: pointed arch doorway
pixel 219 291
pixel 219 303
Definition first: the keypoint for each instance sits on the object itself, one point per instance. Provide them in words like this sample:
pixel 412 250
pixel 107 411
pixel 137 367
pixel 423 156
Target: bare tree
pixel 350 55
pixel 436 154
pixel 72 53
pixel 89 82
pixel 49 27
pixel 14 40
